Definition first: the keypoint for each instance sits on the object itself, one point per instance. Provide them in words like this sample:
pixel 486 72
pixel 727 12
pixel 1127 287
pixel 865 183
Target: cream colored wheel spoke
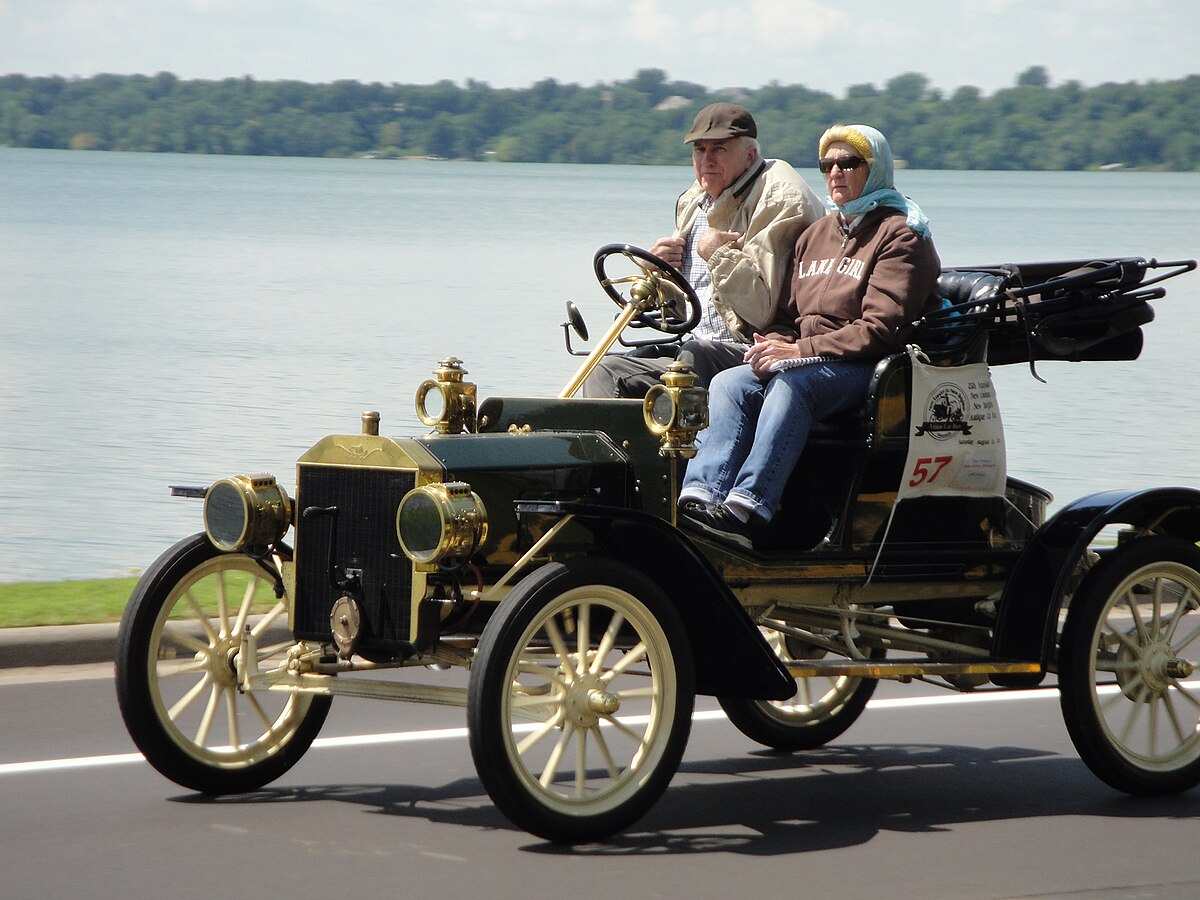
pixel 1123 638
pixel 269 619
pixel 580 763
pixel 583 636
pixel 551 767
pixel 1187 641
pixel 186 640
pixel 1134 714
pixel 1132 604
pixel 609 763
pixel 201 617
pixel 534 738
pixel 560 647
pixel 631 693
pixel 267 724
pixel 1190 697
pixel 222 608
pixel 634 656
pixel 625 729
pixel 541 670
pixel 189 698
pixel 247 603
pixel 210 711
pixel 607 642
pixel 231 714
pixel 174 668
pixel 1173 716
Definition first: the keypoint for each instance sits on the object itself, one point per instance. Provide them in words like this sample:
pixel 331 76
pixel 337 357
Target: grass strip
pixel 64 602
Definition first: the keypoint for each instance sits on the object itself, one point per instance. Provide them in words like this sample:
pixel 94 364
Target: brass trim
pixel 906 668
pixel 602 347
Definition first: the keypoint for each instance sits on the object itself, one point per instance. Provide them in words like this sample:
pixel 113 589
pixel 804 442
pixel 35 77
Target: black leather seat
pixel 954 287
pixel 957 287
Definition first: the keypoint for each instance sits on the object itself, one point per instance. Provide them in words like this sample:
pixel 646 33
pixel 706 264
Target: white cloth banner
pixel 956 440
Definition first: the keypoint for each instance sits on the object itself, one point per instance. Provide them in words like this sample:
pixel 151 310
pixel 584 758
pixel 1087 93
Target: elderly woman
pixel 859 273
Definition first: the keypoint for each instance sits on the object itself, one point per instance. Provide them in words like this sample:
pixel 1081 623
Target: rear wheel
pixel 580 700
pixel 177 677
pixel 1130 646
pixel 821 710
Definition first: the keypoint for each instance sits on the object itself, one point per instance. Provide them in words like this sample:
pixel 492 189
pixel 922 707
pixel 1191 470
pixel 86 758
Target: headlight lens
pixel 246 511
pixel 440 521
pixel 658 409
pixel 662 409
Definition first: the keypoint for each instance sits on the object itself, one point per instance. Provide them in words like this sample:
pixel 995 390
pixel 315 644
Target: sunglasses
pixel 845 163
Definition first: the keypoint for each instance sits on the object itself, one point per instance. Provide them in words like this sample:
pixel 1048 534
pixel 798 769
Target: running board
pixel 909 668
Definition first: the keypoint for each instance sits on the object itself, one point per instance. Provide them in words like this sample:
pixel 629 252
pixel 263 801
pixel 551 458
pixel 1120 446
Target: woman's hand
pixel 767 350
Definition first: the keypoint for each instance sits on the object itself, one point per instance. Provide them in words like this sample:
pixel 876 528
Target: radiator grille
pixel 364 536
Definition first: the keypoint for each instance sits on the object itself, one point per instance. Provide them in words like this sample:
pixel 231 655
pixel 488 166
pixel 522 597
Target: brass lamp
pixel 458 399
pixel 676 411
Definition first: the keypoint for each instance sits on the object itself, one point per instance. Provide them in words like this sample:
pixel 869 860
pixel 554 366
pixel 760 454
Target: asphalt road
pixel 923 798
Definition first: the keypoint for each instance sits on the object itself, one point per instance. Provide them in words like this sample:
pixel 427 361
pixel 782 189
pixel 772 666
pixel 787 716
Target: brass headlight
pixel 440 521
pixel 246 511
pixel 676 410
pixel 454 401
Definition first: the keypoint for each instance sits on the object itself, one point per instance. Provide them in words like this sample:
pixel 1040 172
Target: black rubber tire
pixel 530 666
pixel 1138 732
pixel 822 709
pixel 154 675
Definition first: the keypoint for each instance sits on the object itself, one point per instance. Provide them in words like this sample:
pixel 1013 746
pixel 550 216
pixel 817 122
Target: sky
pixel 825 45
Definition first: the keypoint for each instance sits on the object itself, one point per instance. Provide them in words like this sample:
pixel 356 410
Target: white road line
pixel 444 734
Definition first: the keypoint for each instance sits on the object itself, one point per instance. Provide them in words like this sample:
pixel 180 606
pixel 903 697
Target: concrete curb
pixel 57 645
pixel 65 645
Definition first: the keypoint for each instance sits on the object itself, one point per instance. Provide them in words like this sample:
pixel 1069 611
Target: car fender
pixel 1027 614
pixel 732 657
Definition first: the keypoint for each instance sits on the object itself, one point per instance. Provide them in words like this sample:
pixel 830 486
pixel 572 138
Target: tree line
pixel 1032 125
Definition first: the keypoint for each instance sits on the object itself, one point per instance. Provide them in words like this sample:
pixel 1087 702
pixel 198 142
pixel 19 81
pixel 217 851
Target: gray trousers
pixel 632 374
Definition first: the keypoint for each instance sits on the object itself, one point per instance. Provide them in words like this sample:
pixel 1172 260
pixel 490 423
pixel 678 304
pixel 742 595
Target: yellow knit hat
pixel 845 133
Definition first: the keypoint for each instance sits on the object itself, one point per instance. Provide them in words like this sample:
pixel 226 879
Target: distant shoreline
pixel 1033 126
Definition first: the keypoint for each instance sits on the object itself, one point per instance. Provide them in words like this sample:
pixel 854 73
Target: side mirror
pixel 574 323
pixel 575 319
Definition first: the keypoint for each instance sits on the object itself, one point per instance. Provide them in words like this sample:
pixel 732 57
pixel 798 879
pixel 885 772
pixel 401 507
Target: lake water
pixel 176 319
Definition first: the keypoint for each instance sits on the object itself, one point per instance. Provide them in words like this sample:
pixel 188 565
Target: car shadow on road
pixel 768 803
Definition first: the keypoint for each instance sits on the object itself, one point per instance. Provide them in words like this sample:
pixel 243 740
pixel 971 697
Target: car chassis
pixel 535 543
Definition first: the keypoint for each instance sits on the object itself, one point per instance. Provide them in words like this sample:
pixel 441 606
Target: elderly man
pixel 735 228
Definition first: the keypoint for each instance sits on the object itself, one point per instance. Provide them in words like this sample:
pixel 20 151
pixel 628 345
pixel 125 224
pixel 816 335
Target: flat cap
pixel 719 121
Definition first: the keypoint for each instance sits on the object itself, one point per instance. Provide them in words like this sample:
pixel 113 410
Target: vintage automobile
pixel 534 542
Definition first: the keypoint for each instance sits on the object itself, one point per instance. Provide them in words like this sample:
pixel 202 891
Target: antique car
pixel 534 543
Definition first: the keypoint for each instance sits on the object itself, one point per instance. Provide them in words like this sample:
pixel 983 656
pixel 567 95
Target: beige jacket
pixel 770 205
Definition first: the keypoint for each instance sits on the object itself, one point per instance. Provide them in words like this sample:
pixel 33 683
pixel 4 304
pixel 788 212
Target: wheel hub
pixel 220 660
pixel 1157 668
pixel 587 701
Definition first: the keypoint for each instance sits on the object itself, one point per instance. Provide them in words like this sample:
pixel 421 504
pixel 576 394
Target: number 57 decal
pixel 927 469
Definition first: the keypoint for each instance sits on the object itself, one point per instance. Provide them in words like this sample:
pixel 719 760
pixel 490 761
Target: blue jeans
pixel 758 429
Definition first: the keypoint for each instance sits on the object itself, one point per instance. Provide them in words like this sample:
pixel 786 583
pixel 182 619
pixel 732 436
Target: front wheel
pixel 1130 646
pixel 580 700
pixel 822 708
pixel 177 680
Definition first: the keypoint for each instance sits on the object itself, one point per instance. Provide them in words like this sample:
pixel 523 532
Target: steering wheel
pixel 656 288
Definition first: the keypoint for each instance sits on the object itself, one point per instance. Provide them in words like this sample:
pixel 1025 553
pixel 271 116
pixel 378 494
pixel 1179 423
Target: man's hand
pixel 670 250
pixel 712 239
